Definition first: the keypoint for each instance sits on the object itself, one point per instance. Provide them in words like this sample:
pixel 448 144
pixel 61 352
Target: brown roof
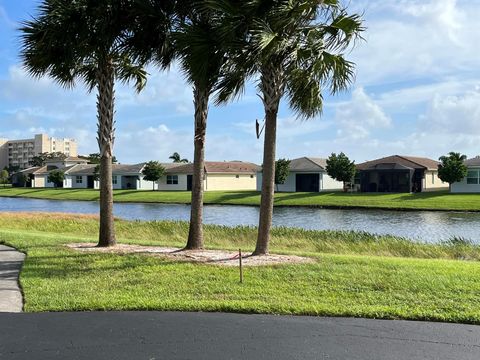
pixel 412 162
pixel 218 167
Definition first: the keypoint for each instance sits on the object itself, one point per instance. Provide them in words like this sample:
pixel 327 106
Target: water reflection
pixel 422 225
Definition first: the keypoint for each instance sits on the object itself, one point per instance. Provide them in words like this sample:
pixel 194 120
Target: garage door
pixel 308 183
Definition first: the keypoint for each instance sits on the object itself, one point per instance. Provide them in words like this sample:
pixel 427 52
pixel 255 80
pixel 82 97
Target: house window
pixel 472 177
pixel 433 178
pixel 114 180
pixel 78 179
pixel 172 179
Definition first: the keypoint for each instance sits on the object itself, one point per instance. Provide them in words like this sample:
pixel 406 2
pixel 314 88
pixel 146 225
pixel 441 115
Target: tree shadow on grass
pixel 281 196
pixel 232 196
pixel 66 266
pixel 423 196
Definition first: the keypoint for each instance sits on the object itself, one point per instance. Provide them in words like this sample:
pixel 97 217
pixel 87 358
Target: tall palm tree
pixel 85 40
pixel 297 48
pixel 177 158
pixel 201 54
pixel 185 30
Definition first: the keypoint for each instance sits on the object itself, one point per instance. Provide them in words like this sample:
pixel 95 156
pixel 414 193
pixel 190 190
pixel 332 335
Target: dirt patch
pixel 216 257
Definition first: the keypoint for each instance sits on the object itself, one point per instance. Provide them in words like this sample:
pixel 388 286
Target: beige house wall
pixel 39 181
pixel 20 152
pixel 432 182
pixel 3 153
pixel 225 182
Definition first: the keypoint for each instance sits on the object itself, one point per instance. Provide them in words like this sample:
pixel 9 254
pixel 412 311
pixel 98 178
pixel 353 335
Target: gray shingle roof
pixel 79 170
pixel 473 162
pixel 307 164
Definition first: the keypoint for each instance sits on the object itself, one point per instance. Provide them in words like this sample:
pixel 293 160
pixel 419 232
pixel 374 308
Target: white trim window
pixel 78 179
pixel 172 179
pixel 473 177
pixel 114 180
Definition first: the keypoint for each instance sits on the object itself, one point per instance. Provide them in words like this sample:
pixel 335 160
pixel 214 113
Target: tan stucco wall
pixel 225 182
pixel 432 182
pixel 39 181
pixel 3 153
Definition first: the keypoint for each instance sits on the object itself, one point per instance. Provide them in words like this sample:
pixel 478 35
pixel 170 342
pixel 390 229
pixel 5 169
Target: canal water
pixel 426 226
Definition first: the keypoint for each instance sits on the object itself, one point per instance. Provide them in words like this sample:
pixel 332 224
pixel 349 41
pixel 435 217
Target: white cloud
pixel 359 116
pixel 416 39
pixel 453 115
pixel 401 99
pixel 163 88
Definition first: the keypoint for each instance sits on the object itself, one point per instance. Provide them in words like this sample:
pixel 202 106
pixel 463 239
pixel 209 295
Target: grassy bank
pixel 353 274
pixel 422 201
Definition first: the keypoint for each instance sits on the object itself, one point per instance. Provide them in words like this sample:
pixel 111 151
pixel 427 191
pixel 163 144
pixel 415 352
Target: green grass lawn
pixel 354 274
pixel 422 201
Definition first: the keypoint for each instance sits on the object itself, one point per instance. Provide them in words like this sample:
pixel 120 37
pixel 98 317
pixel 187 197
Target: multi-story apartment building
pixel 20 152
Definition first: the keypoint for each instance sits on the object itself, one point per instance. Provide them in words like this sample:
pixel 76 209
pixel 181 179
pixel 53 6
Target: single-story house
pixel 307 174
pixel 82 176
pixel 219 176
pixel 123 177
pixel 24 177
pixel 235 175
pixel 471 183
pixel 399 174
pixel 40 176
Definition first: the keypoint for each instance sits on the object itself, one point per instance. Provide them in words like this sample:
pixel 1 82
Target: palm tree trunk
pixel 272 89
pixel 195 234
pixel 106 130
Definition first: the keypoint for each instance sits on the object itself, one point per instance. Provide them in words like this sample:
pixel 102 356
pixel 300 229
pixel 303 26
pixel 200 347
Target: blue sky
pixel 417 92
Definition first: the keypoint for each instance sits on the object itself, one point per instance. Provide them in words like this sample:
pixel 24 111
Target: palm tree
pixel 297 49
pixel 200 50
pixel 71 40
pixel 177 158
pixel 181 29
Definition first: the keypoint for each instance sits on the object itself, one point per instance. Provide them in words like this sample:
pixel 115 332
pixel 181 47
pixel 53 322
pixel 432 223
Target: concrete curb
pixel 11 261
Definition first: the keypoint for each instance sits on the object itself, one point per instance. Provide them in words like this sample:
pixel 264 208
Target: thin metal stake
pixel 241 266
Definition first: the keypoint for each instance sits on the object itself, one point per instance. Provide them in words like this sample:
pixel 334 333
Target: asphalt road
pixel 166 335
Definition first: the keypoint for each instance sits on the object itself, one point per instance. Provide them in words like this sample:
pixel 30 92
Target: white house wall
pixel 326 183
pixel 143 184
pixel 45 181
pixel 181 186
pixel 289 186
pixel 67 182
pixel 71 182
pixel 463 187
